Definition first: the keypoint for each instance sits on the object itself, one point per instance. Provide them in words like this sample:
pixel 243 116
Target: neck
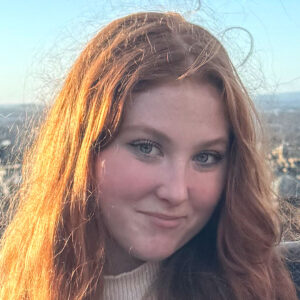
pixel 119 260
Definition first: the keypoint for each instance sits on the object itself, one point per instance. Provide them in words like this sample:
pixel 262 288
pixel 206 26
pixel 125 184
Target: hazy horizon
pixel 40 40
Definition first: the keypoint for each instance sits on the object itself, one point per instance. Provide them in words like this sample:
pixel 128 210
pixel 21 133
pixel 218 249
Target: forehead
pixel 184 102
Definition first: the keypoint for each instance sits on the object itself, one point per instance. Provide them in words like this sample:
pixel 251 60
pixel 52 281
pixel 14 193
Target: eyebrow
pixel 223 141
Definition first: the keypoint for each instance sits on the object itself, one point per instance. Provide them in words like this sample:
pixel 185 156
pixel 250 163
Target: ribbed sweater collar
pixel 132 285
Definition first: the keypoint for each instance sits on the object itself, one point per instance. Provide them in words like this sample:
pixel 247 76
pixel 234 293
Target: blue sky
pixel 40 39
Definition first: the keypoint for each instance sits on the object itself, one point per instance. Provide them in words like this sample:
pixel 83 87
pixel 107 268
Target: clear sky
pixel 40 39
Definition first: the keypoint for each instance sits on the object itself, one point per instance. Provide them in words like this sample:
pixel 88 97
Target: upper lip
pixel 163 216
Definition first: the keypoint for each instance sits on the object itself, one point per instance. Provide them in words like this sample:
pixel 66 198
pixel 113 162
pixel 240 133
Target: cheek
pixel 120 176
pixel 208 189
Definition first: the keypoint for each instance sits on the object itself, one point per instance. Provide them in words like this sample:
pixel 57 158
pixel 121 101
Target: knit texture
pixel 133 285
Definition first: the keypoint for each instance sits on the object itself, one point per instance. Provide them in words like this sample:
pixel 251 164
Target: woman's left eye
pixel 146 148
pixel 208 158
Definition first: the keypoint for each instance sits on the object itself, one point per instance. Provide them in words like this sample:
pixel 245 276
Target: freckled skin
pixel 169 177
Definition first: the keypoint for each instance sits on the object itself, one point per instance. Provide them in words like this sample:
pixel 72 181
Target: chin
pixel 153 253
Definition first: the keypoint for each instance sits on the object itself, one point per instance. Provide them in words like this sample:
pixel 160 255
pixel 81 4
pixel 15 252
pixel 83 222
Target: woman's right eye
pixel 146 148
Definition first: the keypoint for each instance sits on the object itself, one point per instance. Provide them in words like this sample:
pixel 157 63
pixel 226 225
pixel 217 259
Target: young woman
pixel 146 180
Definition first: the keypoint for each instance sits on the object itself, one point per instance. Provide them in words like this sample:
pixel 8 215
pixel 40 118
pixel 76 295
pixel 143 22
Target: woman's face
pixel 162 176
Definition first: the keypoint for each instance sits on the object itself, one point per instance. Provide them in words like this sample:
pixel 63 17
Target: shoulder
pixel 291 251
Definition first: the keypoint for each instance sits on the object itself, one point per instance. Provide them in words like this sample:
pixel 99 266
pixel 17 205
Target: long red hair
pixel 54 246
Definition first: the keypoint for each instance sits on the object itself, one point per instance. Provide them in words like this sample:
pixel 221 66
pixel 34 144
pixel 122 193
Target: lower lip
pixel 165 223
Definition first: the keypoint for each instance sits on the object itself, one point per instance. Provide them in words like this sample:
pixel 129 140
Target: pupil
pixel 203 157
pixel 146 148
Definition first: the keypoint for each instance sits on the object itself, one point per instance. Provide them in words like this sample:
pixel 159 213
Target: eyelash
pixel 211 155
pixel 137 144
pixel 215 156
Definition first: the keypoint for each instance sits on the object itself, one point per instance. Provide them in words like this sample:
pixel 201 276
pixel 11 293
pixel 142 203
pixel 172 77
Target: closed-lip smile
pixel 162 216
pixel 163 220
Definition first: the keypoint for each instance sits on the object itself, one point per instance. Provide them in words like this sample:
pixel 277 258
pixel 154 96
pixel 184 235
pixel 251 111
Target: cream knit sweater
pixel 133 285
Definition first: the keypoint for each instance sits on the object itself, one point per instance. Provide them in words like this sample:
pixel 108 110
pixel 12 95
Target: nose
pixel 173 185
